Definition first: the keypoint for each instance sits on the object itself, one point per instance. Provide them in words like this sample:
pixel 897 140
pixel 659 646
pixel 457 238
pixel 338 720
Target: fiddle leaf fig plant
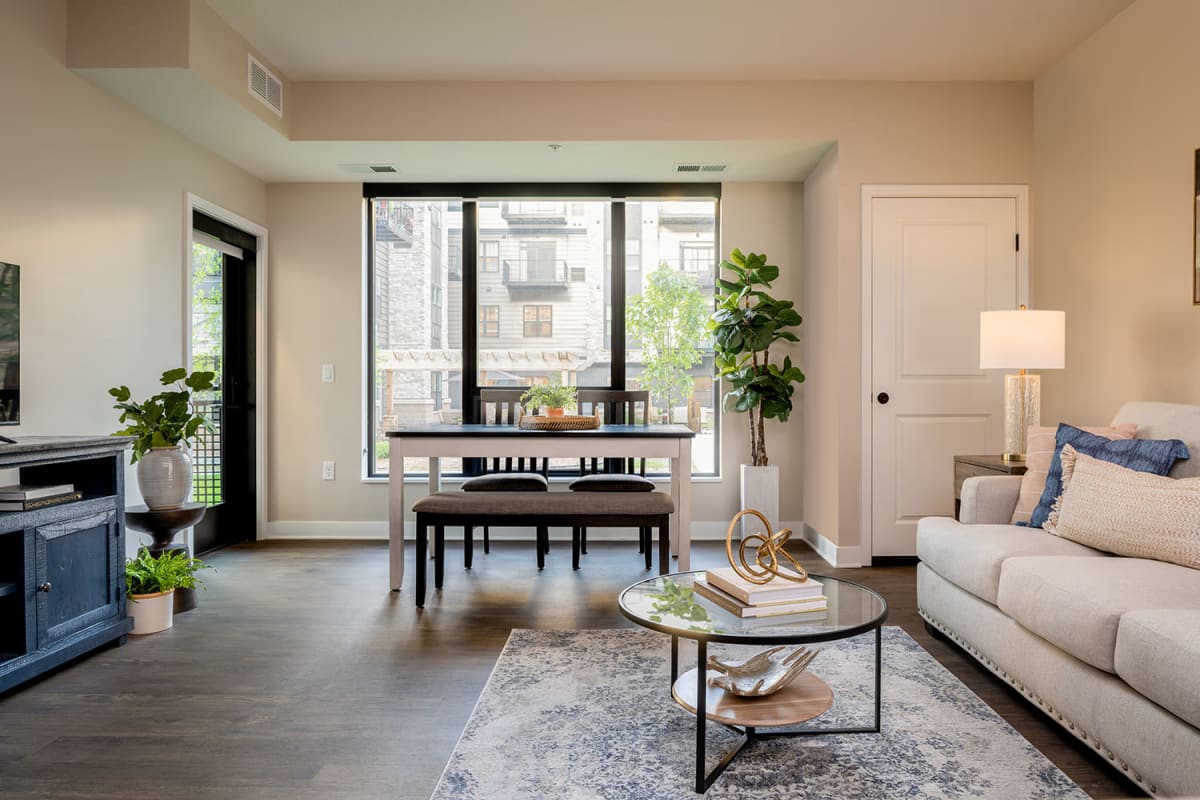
pixel 167 418
pixel 747 323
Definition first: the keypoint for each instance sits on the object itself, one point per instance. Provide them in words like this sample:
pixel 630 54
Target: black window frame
pixel 475 195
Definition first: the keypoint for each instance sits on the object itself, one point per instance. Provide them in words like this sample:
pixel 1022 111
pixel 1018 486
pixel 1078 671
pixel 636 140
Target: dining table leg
pixel 396 512
pixel 681 494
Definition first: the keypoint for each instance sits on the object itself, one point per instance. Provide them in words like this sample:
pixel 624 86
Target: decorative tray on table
pixel 566 422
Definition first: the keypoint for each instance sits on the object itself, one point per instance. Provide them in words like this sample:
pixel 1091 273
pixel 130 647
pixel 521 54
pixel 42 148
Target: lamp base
pixel 1022 409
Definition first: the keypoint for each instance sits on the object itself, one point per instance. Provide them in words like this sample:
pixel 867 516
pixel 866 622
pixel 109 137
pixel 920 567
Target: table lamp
pixel 1021 340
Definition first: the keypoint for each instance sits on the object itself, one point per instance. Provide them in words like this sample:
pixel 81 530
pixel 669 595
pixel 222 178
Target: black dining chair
pixel 503 407
pixel 615 474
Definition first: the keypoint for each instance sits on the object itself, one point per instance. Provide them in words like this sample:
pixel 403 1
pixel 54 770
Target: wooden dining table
pixel 504 441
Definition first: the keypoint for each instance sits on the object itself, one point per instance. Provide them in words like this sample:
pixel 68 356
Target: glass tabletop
pixel 666 603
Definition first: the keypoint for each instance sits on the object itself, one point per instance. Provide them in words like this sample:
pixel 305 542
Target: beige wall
pixel 1116 131
pixel 885 133
pixel 92 207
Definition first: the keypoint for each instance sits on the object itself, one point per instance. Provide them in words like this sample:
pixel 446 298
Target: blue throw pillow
pixel 1155 456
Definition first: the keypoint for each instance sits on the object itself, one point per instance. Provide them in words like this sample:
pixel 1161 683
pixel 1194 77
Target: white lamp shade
pixel 1022 339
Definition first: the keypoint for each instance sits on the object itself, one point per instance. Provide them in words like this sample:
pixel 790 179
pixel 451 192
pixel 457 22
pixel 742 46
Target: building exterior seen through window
pixel 543 305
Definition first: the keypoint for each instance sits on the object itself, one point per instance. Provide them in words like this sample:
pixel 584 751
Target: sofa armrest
pixel 989 499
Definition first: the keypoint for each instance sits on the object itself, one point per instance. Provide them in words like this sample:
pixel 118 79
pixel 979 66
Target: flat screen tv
pixel 10 344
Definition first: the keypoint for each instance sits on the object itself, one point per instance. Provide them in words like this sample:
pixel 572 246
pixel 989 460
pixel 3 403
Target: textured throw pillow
pixel 1156 456
pixel 1127 512
pixel 1039 450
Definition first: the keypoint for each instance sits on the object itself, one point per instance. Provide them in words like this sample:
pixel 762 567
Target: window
pixel 542 259
pixel 489 321
pixel 539 321
pixel 489 256
pixel 697 258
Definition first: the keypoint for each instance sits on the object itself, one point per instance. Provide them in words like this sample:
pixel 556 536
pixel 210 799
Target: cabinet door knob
pixel 45 587
pixel 883 398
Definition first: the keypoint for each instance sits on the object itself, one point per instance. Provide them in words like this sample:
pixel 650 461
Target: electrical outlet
pixel 327 373
pixel 327 472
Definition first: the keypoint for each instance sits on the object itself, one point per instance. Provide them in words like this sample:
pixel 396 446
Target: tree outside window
pixel 668 319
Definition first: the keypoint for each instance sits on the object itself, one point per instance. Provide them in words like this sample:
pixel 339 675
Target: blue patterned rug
pixel 582 715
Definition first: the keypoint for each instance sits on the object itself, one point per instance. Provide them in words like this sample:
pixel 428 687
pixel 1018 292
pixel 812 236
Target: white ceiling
pixel 666 39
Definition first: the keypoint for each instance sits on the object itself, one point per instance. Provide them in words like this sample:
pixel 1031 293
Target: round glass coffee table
pixel 667 604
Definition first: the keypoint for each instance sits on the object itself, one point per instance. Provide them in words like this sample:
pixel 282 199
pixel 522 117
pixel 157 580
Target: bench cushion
pixel 611 483
pixel 524 504
pixel 507 482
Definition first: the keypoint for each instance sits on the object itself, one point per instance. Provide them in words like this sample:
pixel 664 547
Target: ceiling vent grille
pixel 699 167
pixel 265 86
pixel 369 169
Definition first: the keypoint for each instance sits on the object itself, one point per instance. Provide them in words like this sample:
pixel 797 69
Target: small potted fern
pixel 150 585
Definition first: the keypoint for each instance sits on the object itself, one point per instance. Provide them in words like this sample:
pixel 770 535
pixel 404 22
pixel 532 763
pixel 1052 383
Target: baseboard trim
pixel 836 555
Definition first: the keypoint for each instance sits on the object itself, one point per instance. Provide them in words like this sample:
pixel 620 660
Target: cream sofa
pixel 1108 647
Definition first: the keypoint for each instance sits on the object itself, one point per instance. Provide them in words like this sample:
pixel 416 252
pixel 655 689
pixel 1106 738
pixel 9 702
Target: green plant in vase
pixel 554 397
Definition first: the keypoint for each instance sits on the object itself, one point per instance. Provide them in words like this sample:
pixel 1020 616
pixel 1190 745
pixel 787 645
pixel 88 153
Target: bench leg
pixel 664 545
pixel 439 547
pixel 644 546
pixel 468 546
pixel 583 540
pixel 576 536
pixel 542 533
pixel 422 547
pixel 487 541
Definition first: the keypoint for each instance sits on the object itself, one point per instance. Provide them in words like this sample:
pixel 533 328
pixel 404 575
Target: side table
pixel 162 526
pixel 973 466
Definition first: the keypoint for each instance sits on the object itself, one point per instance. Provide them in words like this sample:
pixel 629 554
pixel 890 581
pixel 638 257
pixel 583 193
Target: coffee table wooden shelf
pixel 807 697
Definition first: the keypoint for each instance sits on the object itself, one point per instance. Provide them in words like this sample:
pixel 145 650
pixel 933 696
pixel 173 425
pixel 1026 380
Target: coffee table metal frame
pixel 747 733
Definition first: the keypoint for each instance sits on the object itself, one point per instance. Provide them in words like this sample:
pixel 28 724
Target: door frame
pixel 195 203
pixel 870 192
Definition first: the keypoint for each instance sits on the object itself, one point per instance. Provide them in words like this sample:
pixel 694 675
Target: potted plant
pixel 554 397
pixel 150 585
pixel 161 426
pixel 748 321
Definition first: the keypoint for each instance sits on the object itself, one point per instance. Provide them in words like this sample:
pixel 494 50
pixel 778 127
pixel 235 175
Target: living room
pixel 125 116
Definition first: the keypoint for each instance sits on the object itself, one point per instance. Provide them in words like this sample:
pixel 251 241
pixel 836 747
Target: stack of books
pixel 21 497
pixel 740 597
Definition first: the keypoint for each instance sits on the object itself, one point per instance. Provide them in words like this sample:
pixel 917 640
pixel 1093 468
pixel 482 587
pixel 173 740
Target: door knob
pixel 883 398
pixel 45 587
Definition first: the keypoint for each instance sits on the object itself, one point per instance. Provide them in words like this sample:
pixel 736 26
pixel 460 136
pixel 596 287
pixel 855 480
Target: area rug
pixel 581 715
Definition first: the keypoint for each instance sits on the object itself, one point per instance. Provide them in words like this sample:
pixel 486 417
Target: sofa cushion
pixel 1167 421
pixel 1077 603
pixel 1039 451
pixel 1157 653
pixel 1126 512
pixel 969 556
pixel 1144 455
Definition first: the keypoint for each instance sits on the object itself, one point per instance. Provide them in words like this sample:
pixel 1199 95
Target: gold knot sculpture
pixel 769 550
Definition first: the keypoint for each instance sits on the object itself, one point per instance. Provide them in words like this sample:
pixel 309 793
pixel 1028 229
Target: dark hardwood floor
pixel 301 676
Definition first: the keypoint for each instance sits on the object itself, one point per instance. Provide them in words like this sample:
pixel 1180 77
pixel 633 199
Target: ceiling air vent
pixel 265 86
pixel 369 169
pixel 699 167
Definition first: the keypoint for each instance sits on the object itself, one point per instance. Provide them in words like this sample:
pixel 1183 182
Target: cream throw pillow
pixel 1039 452
pixel 1126 512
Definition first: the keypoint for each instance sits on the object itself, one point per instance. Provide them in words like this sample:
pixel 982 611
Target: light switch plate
pixel 327 373
pixel 327 470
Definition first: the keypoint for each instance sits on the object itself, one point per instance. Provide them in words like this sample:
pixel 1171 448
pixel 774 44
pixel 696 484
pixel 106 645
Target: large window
pixel 531 267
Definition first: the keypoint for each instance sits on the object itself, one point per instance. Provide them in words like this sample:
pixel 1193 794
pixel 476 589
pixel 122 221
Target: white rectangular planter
pixel 760 491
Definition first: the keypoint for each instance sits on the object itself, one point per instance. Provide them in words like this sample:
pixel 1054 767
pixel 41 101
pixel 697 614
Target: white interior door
pixel 935 263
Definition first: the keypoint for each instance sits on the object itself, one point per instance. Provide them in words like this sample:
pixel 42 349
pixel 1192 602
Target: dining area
pixel 512 483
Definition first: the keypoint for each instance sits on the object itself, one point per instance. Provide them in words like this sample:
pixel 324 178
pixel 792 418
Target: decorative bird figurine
pixel 763 673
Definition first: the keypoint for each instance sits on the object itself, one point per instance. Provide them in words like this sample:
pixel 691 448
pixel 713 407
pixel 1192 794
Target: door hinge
pixel 1018 242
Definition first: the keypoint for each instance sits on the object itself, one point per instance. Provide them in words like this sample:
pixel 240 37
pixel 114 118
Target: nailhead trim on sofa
pixel 1037 699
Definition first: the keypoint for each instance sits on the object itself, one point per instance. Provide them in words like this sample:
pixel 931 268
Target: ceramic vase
pixel 151 612
pixel 164 476
pixel 760 491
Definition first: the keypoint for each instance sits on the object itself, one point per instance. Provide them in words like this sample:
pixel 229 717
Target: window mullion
pixel 617 237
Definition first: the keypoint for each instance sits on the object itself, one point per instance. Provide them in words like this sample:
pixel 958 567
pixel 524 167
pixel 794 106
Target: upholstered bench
pixel 539 510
